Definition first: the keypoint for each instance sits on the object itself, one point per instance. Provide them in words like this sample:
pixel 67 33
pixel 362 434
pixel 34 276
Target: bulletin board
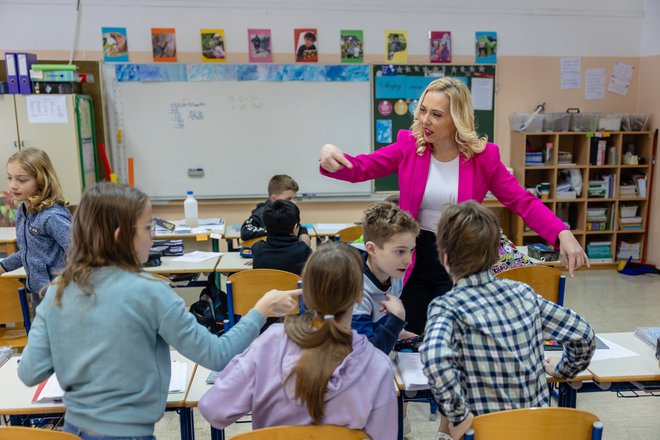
pixel 397 88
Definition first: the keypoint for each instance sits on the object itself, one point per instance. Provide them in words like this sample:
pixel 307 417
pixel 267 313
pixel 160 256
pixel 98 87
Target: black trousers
pixel 428 280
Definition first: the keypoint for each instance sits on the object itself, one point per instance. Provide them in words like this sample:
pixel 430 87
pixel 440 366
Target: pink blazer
pixel 476 176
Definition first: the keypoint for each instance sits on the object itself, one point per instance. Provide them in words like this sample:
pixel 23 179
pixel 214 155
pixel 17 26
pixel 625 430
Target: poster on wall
pixel 396 46
pixel 352 43
pixel 440 46
pixel 486 47
pixel 305 45
pixel 163 43
pixel 115 45
pixel 260 46
pixel 213 45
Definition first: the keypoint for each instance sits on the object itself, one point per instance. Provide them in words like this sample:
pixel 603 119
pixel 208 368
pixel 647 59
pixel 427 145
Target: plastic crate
pixel 518 120
pixel 584 121
pixel 628 211
pixel 634 122
pixel 556 121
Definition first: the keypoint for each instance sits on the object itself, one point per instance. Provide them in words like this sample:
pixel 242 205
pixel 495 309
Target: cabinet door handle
pixel 15 143
pixel 22 144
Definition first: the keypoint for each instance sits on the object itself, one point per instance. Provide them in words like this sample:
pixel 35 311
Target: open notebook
pixel 50 390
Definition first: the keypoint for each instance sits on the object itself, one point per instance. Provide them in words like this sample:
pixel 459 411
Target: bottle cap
pixel 189 192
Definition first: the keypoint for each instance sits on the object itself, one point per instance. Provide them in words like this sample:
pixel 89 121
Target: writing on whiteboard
pixel 186 111
pixel 245 103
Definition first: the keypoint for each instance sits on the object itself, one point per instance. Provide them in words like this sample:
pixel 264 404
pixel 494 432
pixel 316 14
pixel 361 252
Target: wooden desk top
pixel 198 386
pixel 637 368
pixel 16 398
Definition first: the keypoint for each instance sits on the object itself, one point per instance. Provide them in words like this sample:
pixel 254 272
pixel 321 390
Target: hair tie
pixel 326 317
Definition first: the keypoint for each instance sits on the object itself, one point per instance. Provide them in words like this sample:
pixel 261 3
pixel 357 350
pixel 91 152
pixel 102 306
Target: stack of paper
pixel 627 250
pixel 178 377
pixel 49 391
pixel 410 367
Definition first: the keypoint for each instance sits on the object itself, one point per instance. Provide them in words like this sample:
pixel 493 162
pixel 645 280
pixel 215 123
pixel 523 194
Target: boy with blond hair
pixel 389 241
pixel 280 187
pixel 483 349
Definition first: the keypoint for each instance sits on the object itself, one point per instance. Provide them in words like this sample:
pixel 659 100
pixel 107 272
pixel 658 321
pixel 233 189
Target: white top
pixel 441 188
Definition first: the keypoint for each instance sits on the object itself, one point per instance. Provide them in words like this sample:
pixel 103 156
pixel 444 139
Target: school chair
pixel 16 433
pixel 537 424
pixel 350 234
pixel 249 243
pixel 304 432
pixel 245 288
pixel 549 282
pixel 13 310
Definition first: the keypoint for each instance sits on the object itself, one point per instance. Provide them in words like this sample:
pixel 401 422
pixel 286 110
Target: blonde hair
pixel 332 284
pixel 104 209
pixel 461 111
pixel 469 234
pixel 382 220
pixel 37 164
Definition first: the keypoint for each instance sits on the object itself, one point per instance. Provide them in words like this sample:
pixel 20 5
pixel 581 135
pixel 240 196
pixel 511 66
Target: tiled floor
pixel 611 303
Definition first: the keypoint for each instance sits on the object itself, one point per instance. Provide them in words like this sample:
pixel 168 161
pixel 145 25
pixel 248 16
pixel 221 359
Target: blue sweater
pixel 42 238
pixel 111 350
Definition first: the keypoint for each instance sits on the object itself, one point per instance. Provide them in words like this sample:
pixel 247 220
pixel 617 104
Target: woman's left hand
pixel 572 254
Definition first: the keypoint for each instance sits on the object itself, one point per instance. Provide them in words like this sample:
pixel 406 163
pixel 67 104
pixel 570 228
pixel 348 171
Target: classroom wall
pixel 532 36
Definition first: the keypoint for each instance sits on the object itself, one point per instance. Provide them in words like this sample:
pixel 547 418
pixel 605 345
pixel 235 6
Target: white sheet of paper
pixel 51 392
pixel 571 72
pixel 594 84
pixel 331 226
pixel 410 367
pixel 620 79
pixel 482 93
pixel 197 257
pixel 615 351
pixel 47 109
pixel 178 377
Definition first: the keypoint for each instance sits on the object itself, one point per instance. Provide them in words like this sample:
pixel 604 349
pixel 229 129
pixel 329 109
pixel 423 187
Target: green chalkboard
pixel 396 89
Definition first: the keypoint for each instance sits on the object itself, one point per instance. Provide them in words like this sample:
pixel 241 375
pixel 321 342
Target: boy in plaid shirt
pixel 483 349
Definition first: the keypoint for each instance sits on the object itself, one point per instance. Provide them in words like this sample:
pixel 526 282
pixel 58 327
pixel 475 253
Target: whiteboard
pixel 240 133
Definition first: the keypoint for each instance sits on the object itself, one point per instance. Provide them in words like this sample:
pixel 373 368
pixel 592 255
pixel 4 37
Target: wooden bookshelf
pixel 575 148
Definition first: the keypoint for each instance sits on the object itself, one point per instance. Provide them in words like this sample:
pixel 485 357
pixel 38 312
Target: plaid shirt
pixel 483 349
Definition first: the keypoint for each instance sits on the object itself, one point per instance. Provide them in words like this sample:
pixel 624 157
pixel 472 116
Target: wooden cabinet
pixel 62 126
pixel 607 211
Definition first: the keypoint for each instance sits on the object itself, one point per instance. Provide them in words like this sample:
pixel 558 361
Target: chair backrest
pixel 549 282
pixel 537 424
pixel 249 243
pixel 245 288
pixel 350 234
pixel 304 432
pixel 16 433
pixel 13 312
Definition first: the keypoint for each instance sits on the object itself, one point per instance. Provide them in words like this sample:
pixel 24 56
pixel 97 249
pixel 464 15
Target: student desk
pixel 16 398
pixel 213 231
pixel 567 389
pixel 642 368
pixel 198 387
pixel 232 234
pixel 8 239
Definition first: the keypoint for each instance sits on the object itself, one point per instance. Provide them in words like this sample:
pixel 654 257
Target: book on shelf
pixel 649 335
pixel 626 220
pixel 599 260
pixel 597 151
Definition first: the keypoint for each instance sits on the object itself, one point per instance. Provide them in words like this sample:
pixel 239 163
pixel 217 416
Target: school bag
pixel 211 309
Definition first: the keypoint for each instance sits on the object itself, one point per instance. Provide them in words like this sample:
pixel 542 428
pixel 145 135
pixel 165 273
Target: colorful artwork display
pixel 396 46
pixel 352 46
pixel 163 43
pixel 305 44
pixel 486 47
pixel 213 45
pixel 440 43
pixel 115 44
pixel 259 43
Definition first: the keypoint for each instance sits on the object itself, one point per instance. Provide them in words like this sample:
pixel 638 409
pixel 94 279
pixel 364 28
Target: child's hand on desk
pixel 277 303
pixel 394 306
pixel 550 364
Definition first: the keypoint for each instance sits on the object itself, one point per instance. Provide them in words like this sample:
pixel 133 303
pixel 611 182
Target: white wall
pixel 650 44
pixel 532 27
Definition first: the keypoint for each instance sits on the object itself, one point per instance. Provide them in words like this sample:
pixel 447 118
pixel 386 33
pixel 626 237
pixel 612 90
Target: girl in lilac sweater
pixel 312 369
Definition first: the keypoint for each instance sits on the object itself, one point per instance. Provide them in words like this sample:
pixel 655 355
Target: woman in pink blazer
pixel 442 160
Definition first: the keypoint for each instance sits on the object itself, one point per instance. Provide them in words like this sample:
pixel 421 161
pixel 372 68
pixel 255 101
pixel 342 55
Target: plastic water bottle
pixel 190 210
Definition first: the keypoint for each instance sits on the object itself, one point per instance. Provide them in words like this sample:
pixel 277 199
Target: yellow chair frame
pixel 245 288
pixel 349 234
pixel 304 432
pixel 549 282
pixel 13 310
pixel 17 433
pixel 537 424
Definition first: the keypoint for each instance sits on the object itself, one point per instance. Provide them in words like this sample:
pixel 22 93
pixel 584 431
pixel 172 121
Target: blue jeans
pixel 90 435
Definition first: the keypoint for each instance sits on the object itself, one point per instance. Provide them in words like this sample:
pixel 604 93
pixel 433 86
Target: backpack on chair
pixel 211 309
